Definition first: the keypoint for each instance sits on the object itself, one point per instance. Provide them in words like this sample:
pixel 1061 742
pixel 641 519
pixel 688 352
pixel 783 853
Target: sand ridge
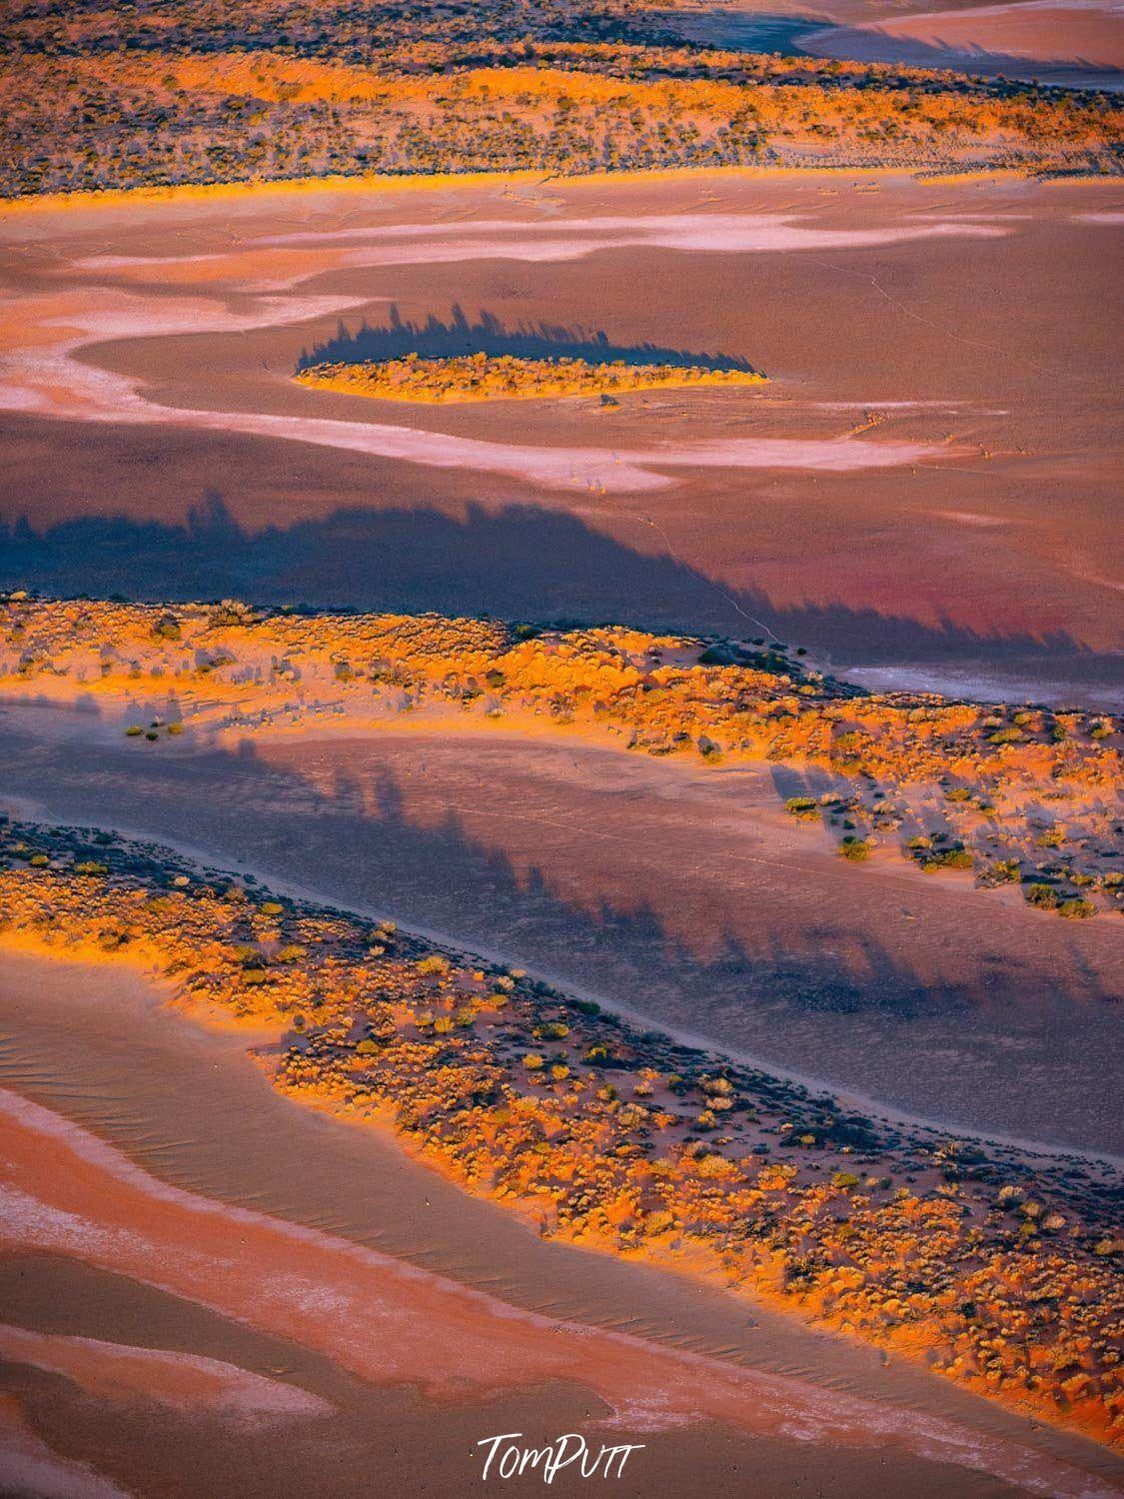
pixel 432 1055
pixel 1015 795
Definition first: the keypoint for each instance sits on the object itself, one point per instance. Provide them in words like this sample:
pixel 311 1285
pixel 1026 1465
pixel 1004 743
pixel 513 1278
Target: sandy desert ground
pixel 924 494
pixel 689 900
pixel 533 1332
pixel 926 481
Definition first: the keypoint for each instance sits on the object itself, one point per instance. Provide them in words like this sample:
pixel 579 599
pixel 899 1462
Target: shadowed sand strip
pixel 29 1466
pixel 66 1192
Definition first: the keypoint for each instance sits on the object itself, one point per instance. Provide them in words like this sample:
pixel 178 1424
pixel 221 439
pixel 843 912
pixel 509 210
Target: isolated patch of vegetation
pixel 498 377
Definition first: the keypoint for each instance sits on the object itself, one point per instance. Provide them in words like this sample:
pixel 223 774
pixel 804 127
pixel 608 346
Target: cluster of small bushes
pixel 253 91
pixel 1045 897
pixel 929 857
pixel 484 377
pixel 152 732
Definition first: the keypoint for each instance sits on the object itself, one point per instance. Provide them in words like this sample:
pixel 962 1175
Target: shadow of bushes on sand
pixel 433 338
pixel 833 993
pixel 521 562
pixel 1007 73
pixel 812 37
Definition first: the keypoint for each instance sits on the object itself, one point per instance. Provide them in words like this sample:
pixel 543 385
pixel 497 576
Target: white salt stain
pixel 971 518
pixel 41 373
pixel 535 241
pixel 390 245
pixel 623 471
pixel 532 240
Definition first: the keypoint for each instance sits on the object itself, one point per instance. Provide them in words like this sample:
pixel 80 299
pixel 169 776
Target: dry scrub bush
pixel 254 91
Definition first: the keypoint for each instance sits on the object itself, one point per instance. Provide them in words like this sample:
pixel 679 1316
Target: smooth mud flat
pixel 211 1267
pixel 1063 43
pixel 1076 43
pixel 687 898
pixel 925 483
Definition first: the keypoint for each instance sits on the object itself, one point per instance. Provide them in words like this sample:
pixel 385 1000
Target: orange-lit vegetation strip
pixel 1000 1270
pixel 483 377
pixel 1004 795
pixel 191 103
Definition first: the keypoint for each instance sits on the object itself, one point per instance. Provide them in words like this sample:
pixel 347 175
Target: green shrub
pixel 555 1031
pixel 855 849
pixel 804 808
pixel 1077 909
pixel 1043 897
pixel 959 858
pixel 433 964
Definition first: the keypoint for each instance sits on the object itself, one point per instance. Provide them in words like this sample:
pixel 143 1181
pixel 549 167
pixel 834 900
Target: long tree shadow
pixel 523 562
pixel 433 338
pixel 812 37
pixel 1004 72
pixel 828 989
